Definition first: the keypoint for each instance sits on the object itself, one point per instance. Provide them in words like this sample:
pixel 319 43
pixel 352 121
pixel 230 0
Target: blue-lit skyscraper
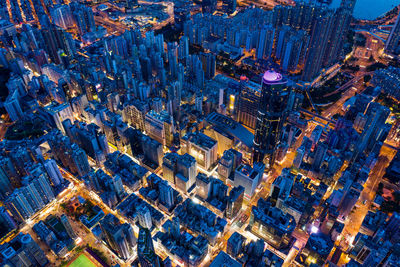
pixel 270 117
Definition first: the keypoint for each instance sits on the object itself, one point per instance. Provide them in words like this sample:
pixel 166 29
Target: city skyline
pixel 198 133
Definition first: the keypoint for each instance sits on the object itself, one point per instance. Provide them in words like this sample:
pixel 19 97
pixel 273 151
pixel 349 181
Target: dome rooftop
pixel 272 76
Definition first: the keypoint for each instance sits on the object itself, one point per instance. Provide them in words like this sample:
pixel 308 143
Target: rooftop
pixel 224 260
pixel 320 243
pixel 231 127
pixel 200 140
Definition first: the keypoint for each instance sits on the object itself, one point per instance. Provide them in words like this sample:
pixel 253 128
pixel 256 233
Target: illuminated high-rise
pixel 392 45
pixel 320 35
pixel 270 118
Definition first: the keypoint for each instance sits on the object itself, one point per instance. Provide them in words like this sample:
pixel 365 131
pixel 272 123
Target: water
pixel 370 9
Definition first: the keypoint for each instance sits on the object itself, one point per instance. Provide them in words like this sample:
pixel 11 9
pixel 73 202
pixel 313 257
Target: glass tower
pixel 270 117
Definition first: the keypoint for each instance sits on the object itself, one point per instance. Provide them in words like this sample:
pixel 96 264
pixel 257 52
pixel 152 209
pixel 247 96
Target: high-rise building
pixel 57 113
pixel 227 165
pixel 19 206
pixel 176 227
pixel 235 201
pixel 249 98
pixel 79 160
pixel 249 177
pixel 235 244
pixel 61 16
pixel 180 170
pixel 145 250
pixel 229 6
pixel 166 194
pixel 169 167
pixel 67 225
pixel 271 116
pixel 201 147
pixel 159 126
pixel 186 172
pixel 320 154
pixel 209 6
pixel 375 129
pixel 53 172
pixel 209 64
pixel 272 224
pixel 152 150
pixel 144 217
pixel 5 183
pixel 202 185
pixel 13 108
pixel 316 250
pixel 43 187
pixel 392 45
pixel 265 42
pixel 340 27
pixel 6 221
pixel 319 40
pixel 120 237
pixel 23 251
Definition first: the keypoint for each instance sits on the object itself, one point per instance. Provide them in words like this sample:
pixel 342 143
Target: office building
pixel 53 172
pixel 120 237
pixel 271 116
pixel 57 113
pixel 227 165
pixel 203 184
pixel 144 217
pixel 202 148
pixel 235 202
pixel 316 250
pixel 145 250
pixel 249 177
pixel 67 225
pixel 166 197
pixel 159 126
pixel 180 170
pixel 235 244
pixel 271 224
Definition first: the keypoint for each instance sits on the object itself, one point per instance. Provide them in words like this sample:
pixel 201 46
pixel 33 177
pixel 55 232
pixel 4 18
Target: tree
pixel 367 78
pixel 379 191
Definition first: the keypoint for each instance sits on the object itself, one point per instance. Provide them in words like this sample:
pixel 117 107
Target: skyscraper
pixel 145 250
pixel 265 42
pixel 144 217
pixel 120 237
pixel 319 40
pixel 166 194
pixel 393 42
pixel 53 171
pixel 229 6
pixel 271 116
pixel 67 225
pixel 340 27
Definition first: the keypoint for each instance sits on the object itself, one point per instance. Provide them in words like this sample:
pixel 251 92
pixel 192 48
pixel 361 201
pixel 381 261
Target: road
pixel 348 84
pixel 354 220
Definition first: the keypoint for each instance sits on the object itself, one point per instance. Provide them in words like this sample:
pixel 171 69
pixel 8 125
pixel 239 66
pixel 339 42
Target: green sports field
pixel 82 261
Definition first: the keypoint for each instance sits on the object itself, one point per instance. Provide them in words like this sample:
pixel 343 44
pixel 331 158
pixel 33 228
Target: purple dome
pixel 272 76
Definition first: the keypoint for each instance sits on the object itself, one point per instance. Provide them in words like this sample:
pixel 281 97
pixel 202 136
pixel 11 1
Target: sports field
pixel 82 261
